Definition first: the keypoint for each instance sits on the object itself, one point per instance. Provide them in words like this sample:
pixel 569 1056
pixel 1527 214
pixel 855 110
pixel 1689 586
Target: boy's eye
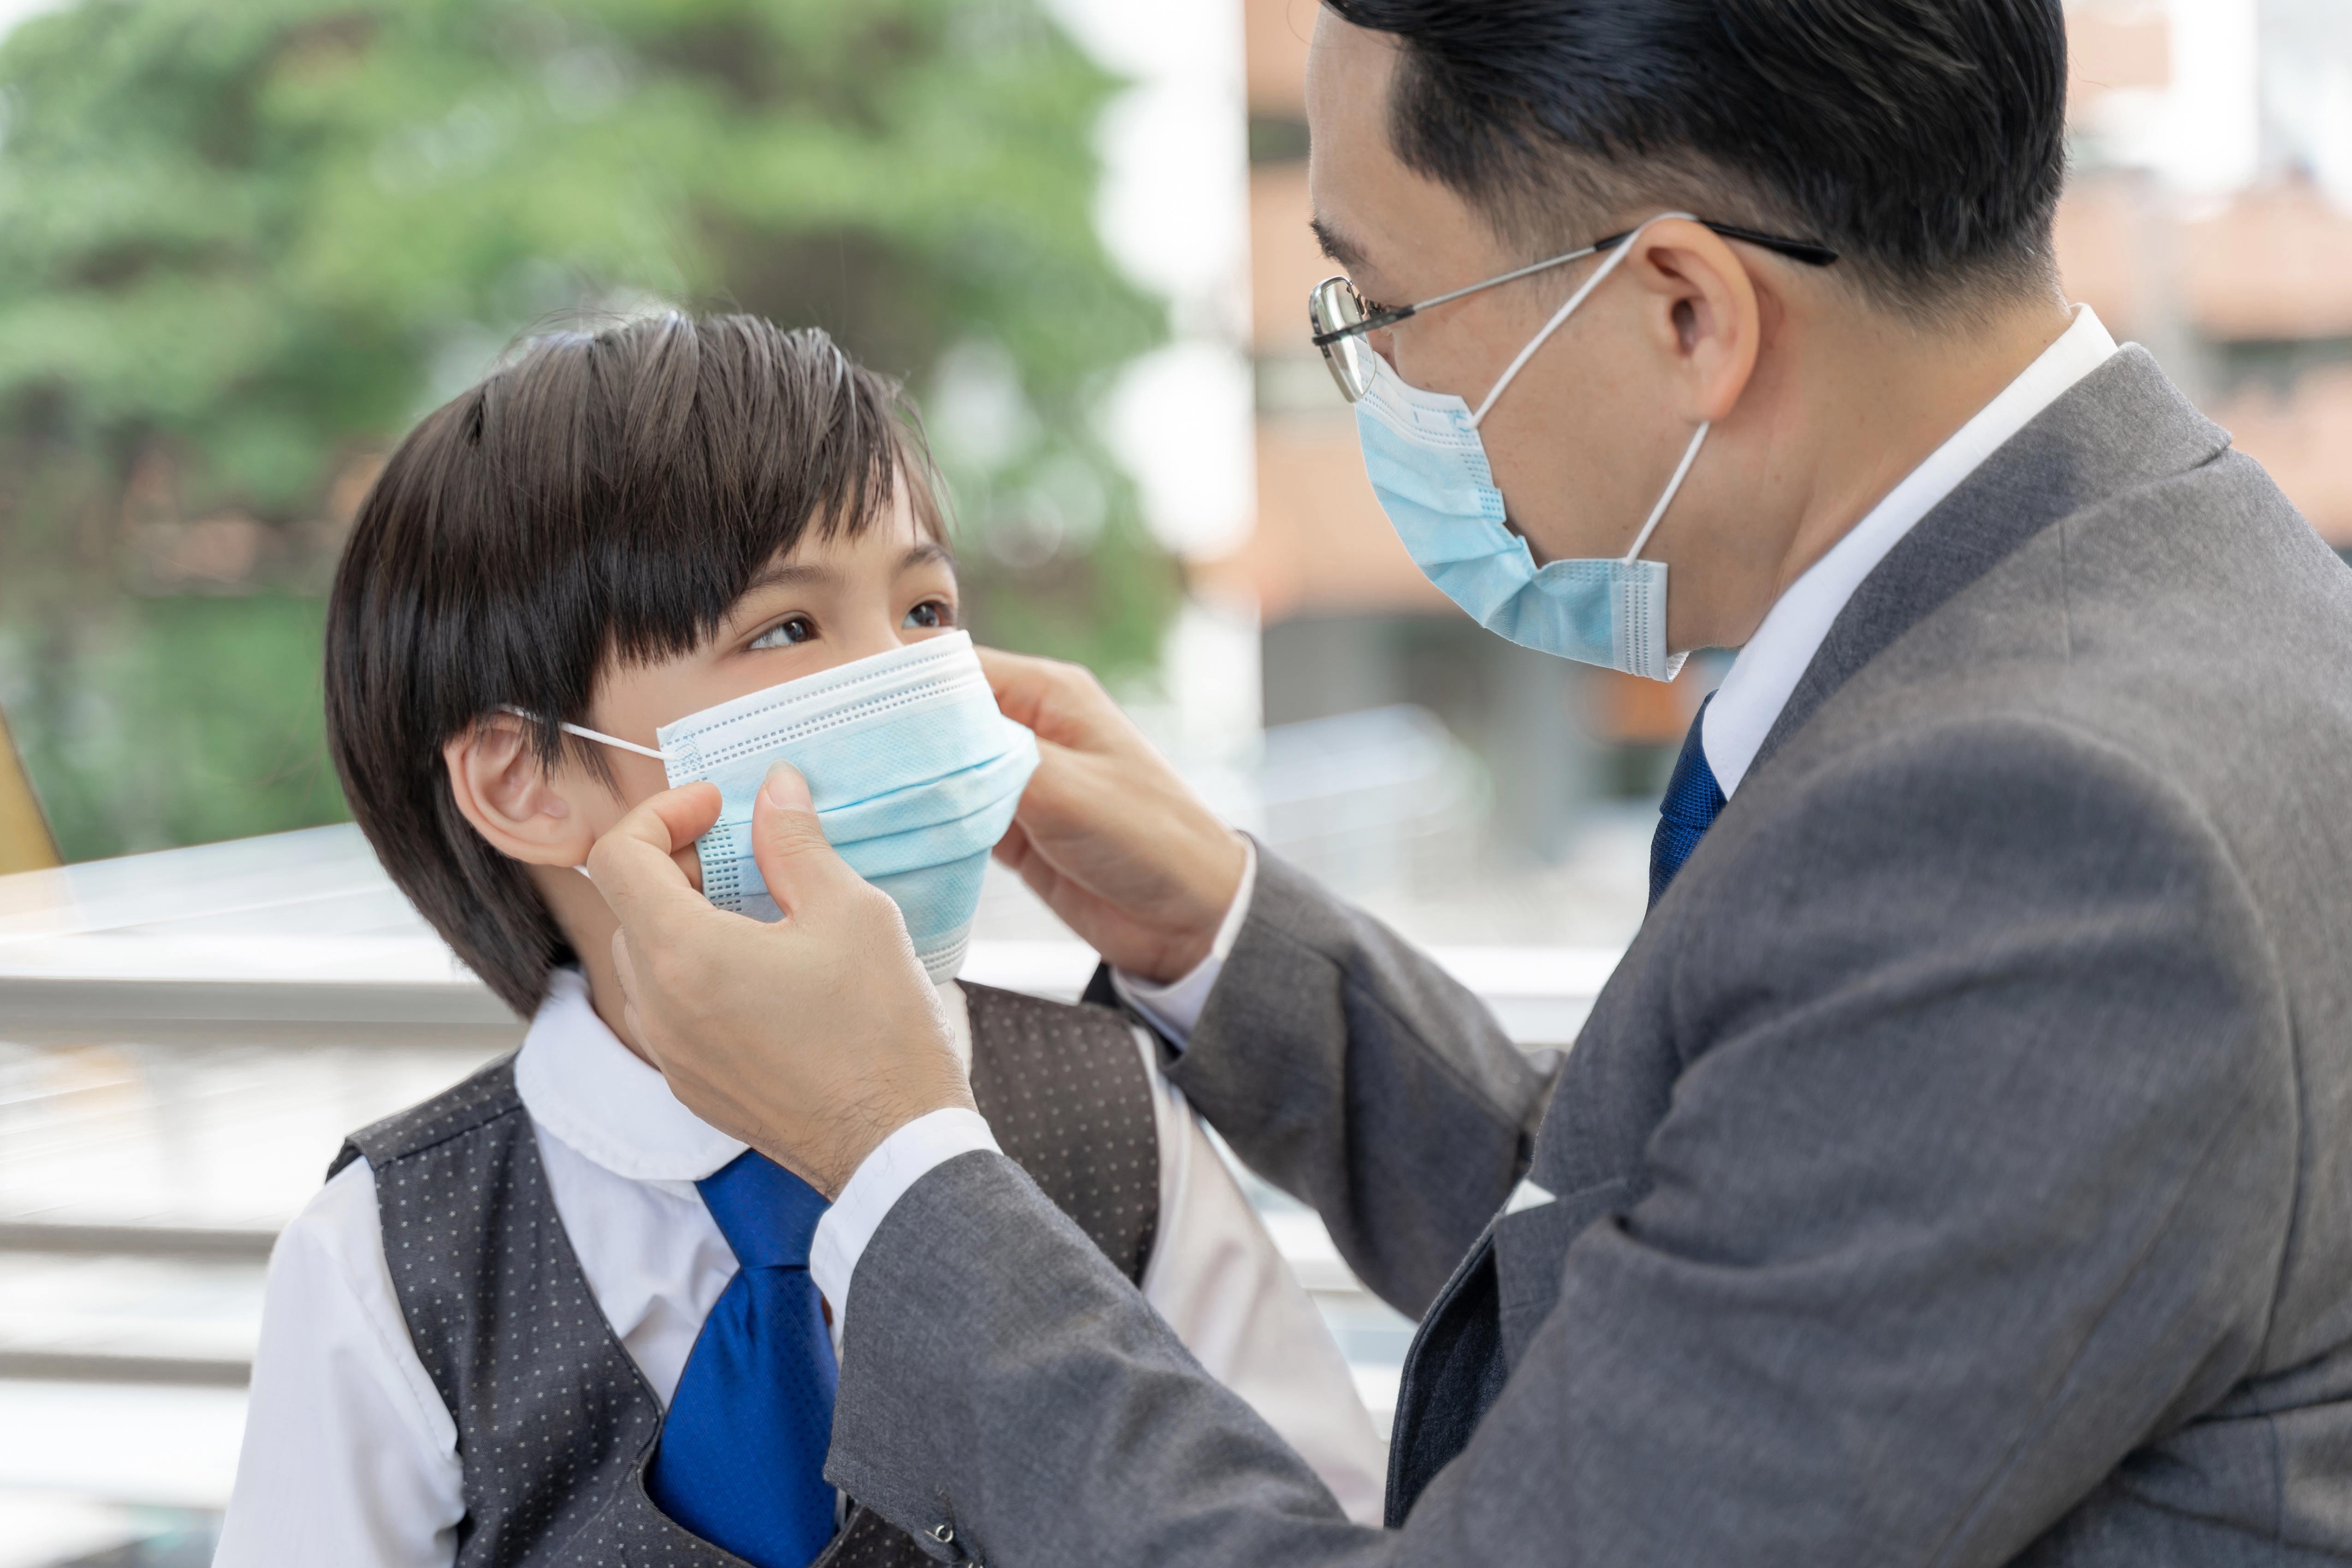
pixel 786 633
pixel 930 613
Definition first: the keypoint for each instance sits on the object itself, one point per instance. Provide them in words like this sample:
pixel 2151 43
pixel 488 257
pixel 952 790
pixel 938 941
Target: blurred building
pixel 2227 259
pixel 2208 217
pixel 1349 622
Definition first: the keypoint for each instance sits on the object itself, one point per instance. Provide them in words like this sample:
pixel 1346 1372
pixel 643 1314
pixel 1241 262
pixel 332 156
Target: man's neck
pixel 1890 399
pixel 1876 398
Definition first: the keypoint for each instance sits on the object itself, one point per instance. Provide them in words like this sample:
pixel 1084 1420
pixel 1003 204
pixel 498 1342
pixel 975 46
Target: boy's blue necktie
pixel 1693 802
pixel 741 1461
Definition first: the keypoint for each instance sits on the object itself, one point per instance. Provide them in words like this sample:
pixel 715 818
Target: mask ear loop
pixel 1559 318
pixel 586 733
pixel 1690 456
pixel 656 753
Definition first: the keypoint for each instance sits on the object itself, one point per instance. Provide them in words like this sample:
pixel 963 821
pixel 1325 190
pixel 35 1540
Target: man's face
pixel 1586 435
pixel 825 603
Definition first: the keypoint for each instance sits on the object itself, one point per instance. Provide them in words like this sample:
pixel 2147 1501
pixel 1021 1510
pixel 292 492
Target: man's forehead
pixel 1347 72
pixel 1386 226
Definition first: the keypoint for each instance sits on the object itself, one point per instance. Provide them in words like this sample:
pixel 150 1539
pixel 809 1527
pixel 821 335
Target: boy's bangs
pixel 669 463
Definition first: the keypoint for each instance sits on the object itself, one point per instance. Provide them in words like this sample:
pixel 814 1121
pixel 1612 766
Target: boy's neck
pixel 587 922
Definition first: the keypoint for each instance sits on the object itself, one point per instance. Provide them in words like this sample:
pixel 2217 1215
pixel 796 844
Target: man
pixel 1958 1169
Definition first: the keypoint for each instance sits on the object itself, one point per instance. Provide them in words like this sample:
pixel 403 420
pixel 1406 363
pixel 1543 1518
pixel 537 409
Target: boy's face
pixel 827 602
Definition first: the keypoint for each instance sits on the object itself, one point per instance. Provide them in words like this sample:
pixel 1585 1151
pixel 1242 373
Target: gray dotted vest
pixel 555 1423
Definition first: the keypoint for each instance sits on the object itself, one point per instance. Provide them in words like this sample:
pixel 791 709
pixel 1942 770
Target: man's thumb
pixel 788 842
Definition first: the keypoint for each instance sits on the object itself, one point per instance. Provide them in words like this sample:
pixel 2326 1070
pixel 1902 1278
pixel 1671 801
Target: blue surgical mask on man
pixel 1428 465
pixel 914 774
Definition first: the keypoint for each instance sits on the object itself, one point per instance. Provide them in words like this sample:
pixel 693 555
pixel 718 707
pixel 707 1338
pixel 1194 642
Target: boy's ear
pixel 499 783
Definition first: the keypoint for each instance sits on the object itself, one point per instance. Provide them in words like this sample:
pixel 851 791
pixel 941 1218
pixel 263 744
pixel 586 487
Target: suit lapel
pixel 2121 426
pixel 1453 1373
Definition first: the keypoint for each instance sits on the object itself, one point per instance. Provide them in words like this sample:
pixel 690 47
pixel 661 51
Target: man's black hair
pixel 605 499
pixel 1922 140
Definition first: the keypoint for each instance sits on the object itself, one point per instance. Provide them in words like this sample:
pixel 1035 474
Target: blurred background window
pixel 243 246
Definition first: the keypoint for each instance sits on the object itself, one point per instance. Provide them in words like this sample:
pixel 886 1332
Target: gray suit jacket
pixel 1958 1169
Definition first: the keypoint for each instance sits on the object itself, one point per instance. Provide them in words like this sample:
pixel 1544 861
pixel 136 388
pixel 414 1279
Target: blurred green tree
pixel 241 247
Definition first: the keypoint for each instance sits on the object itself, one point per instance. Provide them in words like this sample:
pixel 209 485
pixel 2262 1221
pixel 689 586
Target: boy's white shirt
pixel 350 1455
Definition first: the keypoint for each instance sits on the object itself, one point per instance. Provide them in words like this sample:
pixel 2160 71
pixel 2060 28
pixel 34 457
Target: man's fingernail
pixel 785 789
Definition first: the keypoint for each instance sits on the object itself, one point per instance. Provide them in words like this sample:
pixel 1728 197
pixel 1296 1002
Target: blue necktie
pixel 1693 802
pixel 741 1461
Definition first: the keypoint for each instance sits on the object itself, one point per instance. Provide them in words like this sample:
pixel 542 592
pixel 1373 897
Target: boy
pixel 501 1333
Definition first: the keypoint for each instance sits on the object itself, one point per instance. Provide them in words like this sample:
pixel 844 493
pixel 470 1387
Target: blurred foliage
pixel 242 246
pixel 191 720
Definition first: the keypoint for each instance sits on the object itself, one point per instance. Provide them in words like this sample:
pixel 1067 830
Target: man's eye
pixel 930 613
pixel 786 633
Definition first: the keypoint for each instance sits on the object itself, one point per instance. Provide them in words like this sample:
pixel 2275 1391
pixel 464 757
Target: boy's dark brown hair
pixel 605 499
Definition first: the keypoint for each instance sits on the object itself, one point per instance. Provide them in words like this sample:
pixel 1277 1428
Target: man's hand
pixel 1107 833
pixel 812 1039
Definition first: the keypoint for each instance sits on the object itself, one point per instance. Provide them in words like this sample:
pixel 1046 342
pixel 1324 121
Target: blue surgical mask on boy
pixel 1428 465
pixel 914 773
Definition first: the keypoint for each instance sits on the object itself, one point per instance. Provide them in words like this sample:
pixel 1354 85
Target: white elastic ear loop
pixel 587 734
pixel 1690 456
pixel 1559 318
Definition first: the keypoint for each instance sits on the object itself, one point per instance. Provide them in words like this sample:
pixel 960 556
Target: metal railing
pixel 185 1037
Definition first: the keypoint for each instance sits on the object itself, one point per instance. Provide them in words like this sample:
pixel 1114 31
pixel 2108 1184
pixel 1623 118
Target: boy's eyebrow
pixel 782 574
pixel 778 574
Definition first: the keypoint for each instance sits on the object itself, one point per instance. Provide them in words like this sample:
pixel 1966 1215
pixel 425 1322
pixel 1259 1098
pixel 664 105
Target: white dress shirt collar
pixel 582 1085
pixel 1749 700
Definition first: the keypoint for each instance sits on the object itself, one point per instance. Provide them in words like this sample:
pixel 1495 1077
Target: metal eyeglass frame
pixel 1337 315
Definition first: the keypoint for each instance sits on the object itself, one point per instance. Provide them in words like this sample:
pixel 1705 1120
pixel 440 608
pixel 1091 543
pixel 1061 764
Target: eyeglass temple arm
pixel 1803 251
pixel 1390 317
pixel 1374 323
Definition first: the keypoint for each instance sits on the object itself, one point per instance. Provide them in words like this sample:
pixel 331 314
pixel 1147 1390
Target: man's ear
pixel 1706 313
pixel 499 783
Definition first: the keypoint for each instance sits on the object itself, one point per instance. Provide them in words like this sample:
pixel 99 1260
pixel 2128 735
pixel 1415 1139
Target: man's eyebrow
pixel 1336 245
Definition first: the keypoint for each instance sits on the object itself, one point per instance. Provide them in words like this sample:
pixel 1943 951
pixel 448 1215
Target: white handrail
pixel 304 929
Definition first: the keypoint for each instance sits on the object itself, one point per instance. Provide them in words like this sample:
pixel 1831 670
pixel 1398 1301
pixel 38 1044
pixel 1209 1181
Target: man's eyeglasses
pixel 1340 316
